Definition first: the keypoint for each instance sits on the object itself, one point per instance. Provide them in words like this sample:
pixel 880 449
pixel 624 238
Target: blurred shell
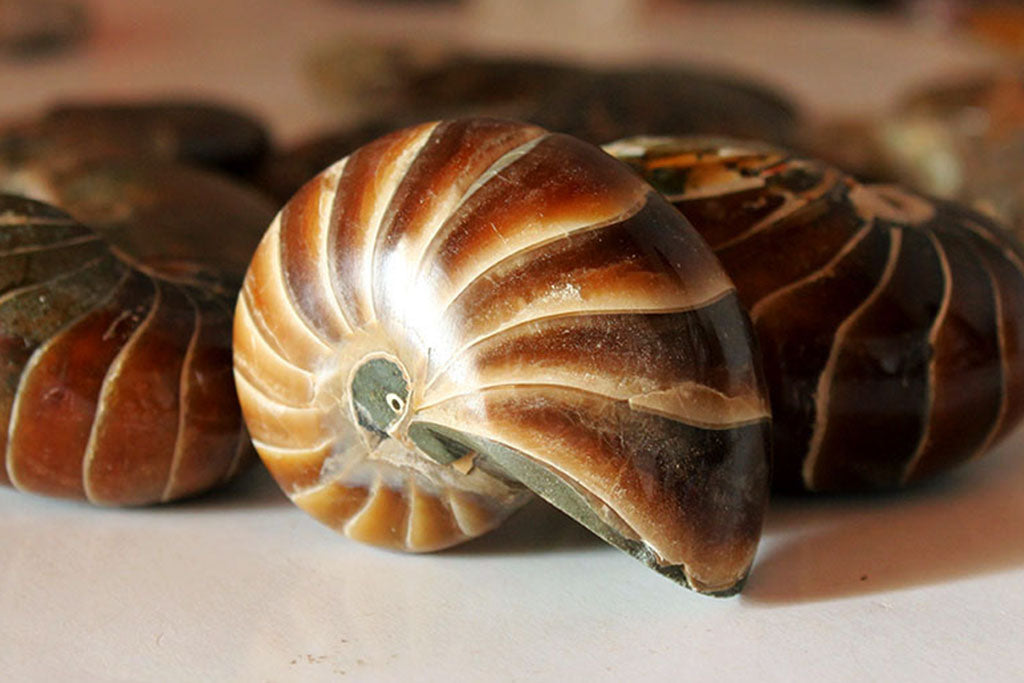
pixel 462 311
pixel 116 382
pixel 383 88
pixel 961 139
pixel 890 323
pixel 198 133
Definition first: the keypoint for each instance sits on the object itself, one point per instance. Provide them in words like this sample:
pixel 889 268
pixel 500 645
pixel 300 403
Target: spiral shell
pixel 116 384
pixel 890 323
pixel 464 310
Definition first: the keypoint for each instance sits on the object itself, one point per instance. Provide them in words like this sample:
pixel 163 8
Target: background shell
pixel 170 130
pixel 890 323
pixel 116 383
pixel 463 309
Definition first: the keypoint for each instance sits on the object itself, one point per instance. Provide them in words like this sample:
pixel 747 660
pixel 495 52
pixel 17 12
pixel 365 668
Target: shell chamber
pixel 462 312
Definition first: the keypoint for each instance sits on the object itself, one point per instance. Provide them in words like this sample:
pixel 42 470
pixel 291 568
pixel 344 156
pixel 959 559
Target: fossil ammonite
pixel 890 323
pixel 462 312
pixel 115 376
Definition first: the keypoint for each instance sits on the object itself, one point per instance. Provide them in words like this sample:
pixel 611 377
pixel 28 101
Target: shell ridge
pixel 324 268
pixel 382 210
pixel 433 244
pixel 540 244
pixel 33 361
pixel 286 288
pixel 107 386
pixel 933 333
pixel 794 203
pixel 11 219
pixel 26 289
pixel 183 392
pixel 469 346
pixel 259 327
pixel 49 246
pixel 1004 402
pixel 823 271
pixel 825 379
pixel 759 415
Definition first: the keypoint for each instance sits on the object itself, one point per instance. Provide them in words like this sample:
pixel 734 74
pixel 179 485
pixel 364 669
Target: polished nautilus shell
pixel 116 380
pixel 890 323
pixel 462 312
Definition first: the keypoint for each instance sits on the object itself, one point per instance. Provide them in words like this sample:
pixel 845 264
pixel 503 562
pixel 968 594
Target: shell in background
pixel 379 88
pixel 890 323
pixel 199 133
pixel 176 220
pixel 116 382
pixel 464 311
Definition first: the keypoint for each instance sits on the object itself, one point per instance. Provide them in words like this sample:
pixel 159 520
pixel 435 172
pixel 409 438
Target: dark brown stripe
pixel 725 217
pixel 36 267
pixel 644 256
pixel 1009 282
pixel 879 393
pixel 353 204
pixel 60 393
pixel 453 158
pixel 796 331
pixel 209 404
pixel 967 373
pixel 30 316
pixel 135 432
pixel 677 478
pixel 637 352
pixel 791 248
pixel 541 187
pixel 300 256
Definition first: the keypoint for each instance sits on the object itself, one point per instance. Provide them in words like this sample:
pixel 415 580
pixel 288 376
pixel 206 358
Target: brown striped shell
pixel 890 323
pixel 463 311
pixel 116 383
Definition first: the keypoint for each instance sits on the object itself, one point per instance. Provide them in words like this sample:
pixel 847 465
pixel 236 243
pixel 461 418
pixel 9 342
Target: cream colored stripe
pixel 933 334
pixel 297 339
pixel 110 380
pixel 432 244
pixel 739 411
pixel 262 364
pixel 33 362
pixel 511 327
pixel 790 206
pixel 183 392
pixel 384 195
pixel 325 209
pixel 50 246
pixel 823 391
pixel 827 269
pixel 18 291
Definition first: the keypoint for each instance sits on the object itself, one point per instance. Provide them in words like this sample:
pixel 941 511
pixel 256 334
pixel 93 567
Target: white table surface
pixel 242 586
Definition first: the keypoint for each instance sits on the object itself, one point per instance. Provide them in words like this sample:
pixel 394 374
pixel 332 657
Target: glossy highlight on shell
pixel 462 312
pixel 890 323
pixel 116 382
